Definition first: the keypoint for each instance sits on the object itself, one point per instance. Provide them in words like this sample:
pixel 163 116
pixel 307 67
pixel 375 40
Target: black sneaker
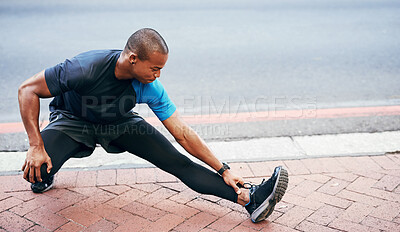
pixel 263 197
pixel 40 187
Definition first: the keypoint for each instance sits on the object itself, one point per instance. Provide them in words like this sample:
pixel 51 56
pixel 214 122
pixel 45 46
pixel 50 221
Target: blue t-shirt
pixel 86 87
pixel 155 96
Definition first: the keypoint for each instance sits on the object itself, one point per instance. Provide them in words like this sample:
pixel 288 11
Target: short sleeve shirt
pixel 86 87
pixel 155 96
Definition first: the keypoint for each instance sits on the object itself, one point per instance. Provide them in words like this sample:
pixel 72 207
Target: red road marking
pixel 15 127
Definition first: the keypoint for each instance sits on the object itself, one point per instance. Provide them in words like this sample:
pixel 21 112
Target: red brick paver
pixel 48 220
pixel 145 211
pixel 324 194
pixel 71 227
pixel 197 222
pixel 12 222
pixel 80 215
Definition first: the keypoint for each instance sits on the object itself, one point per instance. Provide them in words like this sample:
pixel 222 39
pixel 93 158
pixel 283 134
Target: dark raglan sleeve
pixel 64 77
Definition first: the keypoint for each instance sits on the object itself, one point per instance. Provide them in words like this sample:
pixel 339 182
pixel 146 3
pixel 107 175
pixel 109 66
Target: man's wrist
pixel 224 167
pixel 36 144
pixel 35 140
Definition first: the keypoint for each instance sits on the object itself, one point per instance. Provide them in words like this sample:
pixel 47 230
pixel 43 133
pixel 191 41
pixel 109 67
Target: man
pixel 94 94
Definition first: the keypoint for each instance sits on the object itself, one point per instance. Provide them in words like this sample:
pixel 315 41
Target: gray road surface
pixel 226 56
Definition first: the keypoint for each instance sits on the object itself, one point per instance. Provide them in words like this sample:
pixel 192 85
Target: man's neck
pixel 120 67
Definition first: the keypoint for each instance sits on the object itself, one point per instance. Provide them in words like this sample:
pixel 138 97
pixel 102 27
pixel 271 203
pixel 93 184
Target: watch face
pixel 226 166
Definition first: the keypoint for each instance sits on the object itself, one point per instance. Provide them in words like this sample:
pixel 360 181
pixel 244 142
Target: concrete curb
pixel 251 150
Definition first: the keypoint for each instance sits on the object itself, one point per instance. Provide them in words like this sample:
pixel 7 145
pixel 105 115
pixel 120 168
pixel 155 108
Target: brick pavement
pixel 324 194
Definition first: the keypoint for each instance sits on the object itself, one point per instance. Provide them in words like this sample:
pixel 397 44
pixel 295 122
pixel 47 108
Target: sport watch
pixel 224 167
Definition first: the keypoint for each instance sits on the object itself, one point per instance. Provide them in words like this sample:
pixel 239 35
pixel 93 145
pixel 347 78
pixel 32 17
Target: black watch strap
pixel 224 167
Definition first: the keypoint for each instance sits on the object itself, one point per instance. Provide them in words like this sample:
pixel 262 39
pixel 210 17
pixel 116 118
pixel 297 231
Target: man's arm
pixel 28 97
pixel 193 144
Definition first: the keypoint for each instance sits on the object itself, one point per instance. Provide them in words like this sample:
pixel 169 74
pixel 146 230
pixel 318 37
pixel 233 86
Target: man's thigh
pixel 148 143
pixel 60 147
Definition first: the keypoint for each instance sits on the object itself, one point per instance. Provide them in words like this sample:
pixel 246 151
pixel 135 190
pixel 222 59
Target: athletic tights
pixel 149 144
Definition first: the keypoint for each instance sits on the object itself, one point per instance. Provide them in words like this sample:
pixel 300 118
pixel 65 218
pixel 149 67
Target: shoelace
pixel 248 185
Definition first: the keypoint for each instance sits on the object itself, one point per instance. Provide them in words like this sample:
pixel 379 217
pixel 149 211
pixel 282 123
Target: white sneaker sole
pixel 48 188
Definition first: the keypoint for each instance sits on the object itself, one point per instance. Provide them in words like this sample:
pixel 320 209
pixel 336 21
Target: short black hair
pixel 146 41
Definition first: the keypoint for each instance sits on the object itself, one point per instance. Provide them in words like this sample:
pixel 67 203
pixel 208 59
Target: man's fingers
pixel 232 181
pixel 26 171
pixel 239 182
pixel 31 174
pixel 49 165
pixel 38 174
pixel 236 188
pixel 23 166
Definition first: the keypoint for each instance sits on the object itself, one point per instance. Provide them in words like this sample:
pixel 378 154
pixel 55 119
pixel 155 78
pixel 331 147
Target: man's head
pixel 147 52
pixel 145 42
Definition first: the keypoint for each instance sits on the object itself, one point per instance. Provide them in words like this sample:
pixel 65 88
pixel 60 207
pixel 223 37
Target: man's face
pixel 146 71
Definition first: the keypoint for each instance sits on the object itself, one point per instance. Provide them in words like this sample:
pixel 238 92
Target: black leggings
pixel 148 143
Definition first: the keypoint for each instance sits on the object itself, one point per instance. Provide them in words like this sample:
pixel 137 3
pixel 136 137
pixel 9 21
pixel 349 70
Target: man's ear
pixel 133 58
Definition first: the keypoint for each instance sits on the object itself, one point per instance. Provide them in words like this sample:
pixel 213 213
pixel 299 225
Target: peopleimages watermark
pixel 230 106
pixel 262 106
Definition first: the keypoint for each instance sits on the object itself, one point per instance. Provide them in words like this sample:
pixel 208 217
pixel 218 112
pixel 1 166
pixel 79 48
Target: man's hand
pixel 232 180
pixel 35 157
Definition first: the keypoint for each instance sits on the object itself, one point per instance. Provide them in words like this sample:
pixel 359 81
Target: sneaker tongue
pixel 264 190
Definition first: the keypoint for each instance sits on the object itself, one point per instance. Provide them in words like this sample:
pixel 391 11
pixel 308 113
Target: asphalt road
pixel 225 56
